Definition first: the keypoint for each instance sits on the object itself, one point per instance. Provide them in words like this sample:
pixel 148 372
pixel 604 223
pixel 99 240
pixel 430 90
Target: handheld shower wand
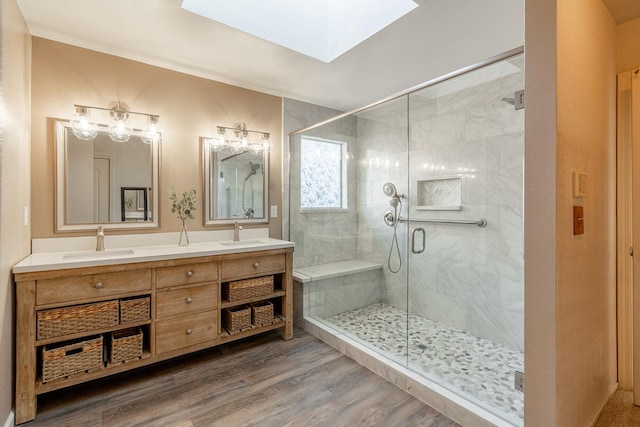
pixel 392 219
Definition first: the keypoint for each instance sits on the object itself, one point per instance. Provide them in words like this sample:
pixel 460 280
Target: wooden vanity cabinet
pixel 185 311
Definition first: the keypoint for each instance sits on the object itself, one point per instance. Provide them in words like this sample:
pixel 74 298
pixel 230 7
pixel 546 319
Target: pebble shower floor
pixel 478 369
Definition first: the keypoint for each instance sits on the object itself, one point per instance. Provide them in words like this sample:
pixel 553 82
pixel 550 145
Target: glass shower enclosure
pixel 408 222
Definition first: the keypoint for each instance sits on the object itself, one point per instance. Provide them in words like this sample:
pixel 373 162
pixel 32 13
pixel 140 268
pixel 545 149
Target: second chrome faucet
pixel 236 231
pixel 100 239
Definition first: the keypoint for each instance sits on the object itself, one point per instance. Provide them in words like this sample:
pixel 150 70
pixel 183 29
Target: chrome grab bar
pixel 480 222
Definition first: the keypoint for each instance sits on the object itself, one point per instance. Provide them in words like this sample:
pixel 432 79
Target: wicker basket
pixel 75 357
pixel 78 318
pixel 262 313
pixel 126 344
pixel 237 318
pixel 134 310
pixel 246 289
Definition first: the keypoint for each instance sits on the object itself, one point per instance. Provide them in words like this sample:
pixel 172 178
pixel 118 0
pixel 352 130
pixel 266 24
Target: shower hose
pixel 397 208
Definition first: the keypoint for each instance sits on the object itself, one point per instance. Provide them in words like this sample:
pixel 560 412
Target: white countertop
pixel 77 259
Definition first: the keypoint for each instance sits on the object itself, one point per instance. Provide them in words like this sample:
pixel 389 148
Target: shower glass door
pixel 466 264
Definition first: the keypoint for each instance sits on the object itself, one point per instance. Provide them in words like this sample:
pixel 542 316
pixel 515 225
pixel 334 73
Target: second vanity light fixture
pixel 85 127
pixel 242 141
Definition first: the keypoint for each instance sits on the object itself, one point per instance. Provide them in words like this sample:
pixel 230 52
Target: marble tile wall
pixel 296 115
pixel 336 295
pixel 328 236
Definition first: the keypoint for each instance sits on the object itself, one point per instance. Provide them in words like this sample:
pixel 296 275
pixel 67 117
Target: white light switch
pixel 274 212
pixel 26 216
pixel 579 184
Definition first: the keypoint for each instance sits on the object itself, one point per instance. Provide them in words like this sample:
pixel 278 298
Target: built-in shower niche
pixel 442 193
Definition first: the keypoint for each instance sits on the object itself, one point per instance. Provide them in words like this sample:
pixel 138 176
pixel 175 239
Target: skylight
pixel 321 29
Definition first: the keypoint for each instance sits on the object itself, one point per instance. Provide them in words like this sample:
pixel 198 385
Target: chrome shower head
pixel 389 190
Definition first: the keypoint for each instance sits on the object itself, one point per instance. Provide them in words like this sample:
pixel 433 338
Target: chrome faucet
pixel 100 239
pixel 236 231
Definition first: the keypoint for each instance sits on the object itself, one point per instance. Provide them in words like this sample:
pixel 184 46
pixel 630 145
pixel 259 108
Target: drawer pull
pixel 189 331
pixel 189 273
pixel 189 300
pixel 98 285
pixel 256 264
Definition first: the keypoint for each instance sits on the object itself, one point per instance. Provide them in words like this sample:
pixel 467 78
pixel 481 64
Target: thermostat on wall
pixel 579 184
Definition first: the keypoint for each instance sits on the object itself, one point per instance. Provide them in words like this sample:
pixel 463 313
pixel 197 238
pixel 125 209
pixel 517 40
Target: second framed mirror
pixel 235 184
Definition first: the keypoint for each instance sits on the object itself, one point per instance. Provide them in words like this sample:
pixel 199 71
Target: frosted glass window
pixel 323 174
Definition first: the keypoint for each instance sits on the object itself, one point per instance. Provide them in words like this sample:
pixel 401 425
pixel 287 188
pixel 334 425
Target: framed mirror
pixel 236 185
pixel 102 182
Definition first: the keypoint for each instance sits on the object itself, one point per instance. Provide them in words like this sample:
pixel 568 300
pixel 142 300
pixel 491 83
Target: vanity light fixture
pixel 242 141
pixel 85 127
pixel 119 129
pixel 151 133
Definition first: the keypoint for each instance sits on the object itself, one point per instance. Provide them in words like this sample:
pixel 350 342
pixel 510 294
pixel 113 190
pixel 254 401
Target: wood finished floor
pixel 261 381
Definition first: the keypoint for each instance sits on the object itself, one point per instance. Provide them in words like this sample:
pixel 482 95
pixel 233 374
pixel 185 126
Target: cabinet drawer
pixel 185 274
pixel 252 265
pixel 186 300
pixel 72 288
pixel 186 331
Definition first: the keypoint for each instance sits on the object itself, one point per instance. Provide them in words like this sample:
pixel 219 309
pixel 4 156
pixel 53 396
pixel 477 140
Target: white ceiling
pixel 437 37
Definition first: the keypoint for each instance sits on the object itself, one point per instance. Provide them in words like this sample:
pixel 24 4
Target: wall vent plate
pixel 578 220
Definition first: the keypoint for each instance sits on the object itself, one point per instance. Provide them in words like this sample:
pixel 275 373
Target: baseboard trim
pixel 603 404
pixel 11 420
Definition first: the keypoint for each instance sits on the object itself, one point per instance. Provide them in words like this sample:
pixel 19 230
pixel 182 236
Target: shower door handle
pixel 413 240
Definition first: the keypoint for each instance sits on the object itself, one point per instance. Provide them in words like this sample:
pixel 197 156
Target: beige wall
pixel 585 285
pixel 628 53
pixel 570 366
pixel 15 241
pixel 189 107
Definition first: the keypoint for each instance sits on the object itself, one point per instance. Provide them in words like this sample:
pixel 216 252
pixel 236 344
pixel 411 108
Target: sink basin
pixel 242 242
pixel 99 254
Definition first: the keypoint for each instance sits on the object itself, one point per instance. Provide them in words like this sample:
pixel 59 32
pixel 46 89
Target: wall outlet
pixel 274 211
pixel 519 381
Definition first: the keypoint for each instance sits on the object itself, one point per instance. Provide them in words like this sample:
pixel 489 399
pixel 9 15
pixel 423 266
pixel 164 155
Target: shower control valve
pixel 389 218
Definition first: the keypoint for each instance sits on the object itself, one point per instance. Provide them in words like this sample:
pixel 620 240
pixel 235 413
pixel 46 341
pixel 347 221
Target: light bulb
pixel 151 133
pixel 119 129
pixel 245 138
pixel 266 144
pixel 220 142
pixel 83 125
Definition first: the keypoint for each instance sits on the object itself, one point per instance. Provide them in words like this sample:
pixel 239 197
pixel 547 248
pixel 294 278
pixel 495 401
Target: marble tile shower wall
pixel 342 294
pixel 323 237
pixel 297 115
pixel 382 157
pixel 469 278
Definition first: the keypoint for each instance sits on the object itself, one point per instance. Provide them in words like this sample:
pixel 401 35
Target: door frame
pixel 627 203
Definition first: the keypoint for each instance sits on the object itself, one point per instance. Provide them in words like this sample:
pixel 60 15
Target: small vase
pixel 184 237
